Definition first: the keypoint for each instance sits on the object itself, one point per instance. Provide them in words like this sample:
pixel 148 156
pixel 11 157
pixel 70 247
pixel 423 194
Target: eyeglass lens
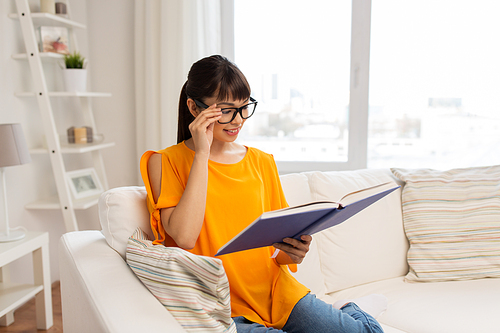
pixel 228 114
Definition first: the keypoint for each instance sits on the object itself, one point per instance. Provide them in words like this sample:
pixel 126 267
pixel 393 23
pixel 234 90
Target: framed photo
pixel 84 183
pixel 54 39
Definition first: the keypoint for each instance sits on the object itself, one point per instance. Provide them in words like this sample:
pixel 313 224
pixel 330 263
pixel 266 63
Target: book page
pixel 364 192
pixel 318 205
pixel 311 206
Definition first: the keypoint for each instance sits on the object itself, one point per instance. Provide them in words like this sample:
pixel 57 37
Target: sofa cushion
pixel 296 189
pixel 371 245
pixel 194 289
pixel 121 211
pixel 454 306
pixel 452 219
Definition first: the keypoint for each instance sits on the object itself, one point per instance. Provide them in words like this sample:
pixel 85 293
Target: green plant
pixel 74 60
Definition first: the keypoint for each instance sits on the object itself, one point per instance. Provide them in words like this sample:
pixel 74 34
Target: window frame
pixel 359 83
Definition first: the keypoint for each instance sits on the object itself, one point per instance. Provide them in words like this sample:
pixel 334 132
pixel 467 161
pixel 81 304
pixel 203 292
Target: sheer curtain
pixel 169 37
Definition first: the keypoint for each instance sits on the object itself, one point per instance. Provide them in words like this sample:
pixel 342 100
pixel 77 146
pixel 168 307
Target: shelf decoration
pixel 84 183
pixel 61 8
pixel 75 72
pixel 54 39
pixel 80 134
pixel 48 6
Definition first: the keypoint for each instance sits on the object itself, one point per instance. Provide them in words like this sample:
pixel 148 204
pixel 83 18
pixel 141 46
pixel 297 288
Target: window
pixel 301 79
pixel 434 84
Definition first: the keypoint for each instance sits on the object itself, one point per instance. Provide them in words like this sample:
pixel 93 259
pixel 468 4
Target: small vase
pixel 75 79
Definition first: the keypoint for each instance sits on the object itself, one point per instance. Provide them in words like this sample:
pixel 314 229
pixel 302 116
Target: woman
pixel 207 188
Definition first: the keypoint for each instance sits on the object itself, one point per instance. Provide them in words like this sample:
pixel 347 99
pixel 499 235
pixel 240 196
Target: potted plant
pixel 75 72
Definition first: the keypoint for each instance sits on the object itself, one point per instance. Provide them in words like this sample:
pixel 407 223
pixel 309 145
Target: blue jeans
pixel 312 315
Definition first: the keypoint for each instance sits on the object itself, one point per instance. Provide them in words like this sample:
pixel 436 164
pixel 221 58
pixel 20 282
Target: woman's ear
pixel 192 107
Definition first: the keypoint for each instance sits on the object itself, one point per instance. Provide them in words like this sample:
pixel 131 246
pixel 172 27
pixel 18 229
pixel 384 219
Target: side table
pixel 13 295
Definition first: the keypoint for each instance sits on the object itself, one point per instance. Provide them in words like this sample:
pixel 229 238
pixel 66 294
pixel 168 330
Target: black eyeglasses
pixel 228 114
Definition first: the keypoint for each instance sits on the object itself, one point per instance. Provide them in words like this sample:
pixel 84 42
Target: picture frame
pixel 54 39
pixel 84 183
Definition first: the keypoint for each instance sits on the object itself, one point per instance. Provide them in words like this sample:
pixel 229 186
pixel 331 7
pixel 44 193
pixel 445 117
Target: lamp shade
pixel 13 148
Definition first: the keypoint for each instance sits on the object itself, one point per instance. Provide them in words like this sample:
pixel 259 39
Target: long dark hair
pixel 213 76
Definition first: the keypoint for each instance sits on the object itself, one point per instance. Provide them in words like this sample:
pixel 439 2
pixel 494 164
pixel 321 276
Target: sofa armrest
pixel 100 293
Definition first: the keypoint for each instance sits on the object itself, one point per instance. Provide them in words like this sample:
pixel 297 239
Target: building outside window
pixel 301 79
pixel 433 81
pixel 434 84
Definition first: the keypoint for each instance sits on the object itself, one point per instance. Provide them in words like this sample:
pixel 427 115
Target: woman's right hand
pixel 202 128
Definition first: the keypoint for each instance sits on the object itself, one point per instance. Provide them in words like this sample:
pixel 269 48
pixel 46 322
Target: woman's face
pixel 228 132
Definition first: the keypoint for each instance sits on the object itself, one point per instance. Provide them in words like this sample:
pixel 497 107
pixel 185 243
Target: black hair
pixel 213 76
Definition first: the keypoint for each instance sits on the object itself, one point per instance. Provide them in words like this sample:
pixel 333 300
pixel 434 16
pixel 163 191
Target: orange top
pixel 261 290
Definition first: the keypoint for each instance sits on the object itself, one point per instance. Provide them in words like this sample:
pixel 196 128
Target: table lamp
pixel 13 151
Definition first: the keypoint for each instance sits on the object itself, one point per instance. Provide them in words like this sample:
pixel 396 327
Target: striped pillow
pixel 452 220
pixel 194 289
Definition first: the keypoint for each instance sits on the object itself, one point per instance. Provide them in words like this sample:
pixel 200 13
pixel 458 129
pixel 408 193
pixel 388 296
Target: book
pixel 307 219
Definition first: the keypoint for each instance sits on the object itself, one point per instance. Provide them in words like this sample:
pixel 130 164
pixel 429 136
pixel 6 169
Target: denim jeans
pixel 312 315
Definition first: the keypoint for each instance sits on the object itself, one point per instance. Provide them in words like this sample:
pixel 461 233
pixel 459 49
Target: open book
pixel 308 219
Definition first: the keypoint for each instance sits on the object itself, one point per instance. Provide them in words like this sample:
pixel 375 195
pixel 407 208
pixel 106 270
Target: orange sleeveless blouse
pixel 261 290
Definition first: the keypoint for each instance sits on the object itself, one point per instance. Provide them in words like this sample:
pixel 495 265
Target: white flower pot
pixel 75 79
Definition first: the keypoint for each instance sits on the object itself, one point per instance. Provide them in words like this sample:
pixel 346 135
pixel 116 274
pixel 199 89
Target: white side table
pixel 12 295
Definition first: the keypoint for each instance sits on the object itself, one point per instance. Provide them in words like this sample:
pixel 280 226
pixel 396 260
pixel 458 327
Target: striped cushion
pixel 194 289
pixel 452 220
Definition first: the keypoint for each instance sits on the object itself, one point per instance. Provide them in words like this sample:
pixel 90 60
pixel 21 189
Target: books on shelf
pixel 308 219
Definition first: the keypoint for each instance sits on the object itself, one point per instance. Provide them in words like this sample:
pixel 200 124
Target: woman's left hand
pixel 295 249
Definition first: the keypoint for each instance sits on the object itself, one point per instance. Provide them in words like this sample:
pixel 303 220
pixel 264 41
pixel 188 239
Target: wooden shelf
pixel 74 148
pixel 43 55
pixel 53 203
pixel 66 94
pixel 13 295
pixel 51 20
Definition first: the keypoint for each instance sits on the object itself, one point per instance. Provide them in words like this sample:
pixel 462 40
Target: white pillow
pixel 370 246
pixel 121 211
pixel 452 219
pixel 296 189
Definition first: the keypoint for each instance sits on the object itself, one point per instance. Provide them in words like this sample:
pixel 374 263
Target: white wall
pixel 108 43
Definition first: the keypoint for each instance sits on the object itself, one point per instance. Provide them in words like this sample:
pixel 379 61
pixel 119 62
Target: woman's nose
pixel 237 118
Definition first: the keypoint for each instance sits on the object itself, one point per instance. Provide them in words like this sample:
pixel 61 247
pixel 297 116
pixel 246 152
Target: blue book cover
pixel 271 227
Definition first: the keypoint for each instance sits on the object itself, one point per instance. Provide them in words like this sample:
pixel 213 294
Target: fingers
pixel 296 249
pixel 302 244
pixel 306 238
pixel 202 128
pixel 295 254
pixel 206 117
pixel 201 124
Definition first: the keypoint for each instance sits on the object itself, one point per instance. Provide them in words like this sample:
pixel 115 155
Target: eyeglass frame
pixel 238 110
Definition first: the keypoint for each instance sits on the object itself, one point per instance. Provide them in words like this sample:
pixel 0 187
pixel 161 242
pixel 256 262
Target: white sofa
pixel 365 255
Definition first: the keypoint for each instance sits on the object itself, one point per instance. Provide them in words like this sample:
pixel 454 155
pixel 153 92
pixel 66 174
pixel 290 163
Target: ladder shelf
pixel 55 146
pixel 75 148
pixel 65 94
pixel 44 56
pixel 53 203
pixel 49 19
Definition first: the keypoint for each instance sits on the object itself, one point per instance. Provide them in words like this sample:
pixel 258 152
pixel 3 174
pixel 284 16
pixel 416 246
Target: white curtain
pixel 170 35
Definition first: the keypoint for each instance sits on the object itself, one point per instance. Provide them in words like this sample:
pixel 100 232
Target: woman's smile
pixel 233 131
